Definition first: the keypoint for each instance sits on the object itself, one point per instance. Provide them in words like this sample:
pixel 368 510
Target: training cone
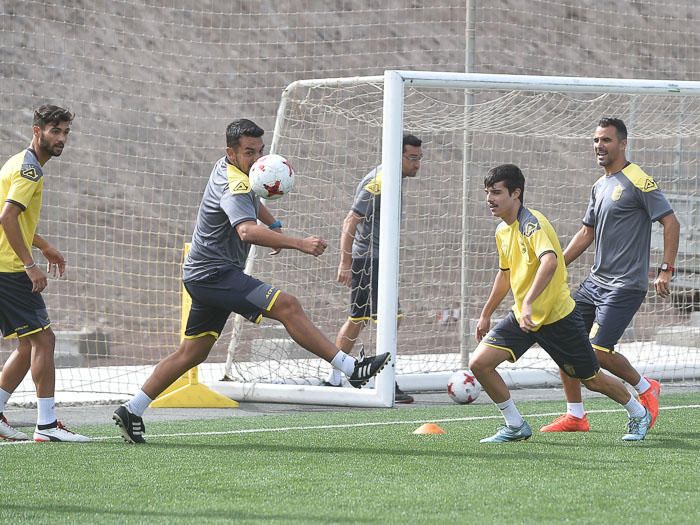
pixel 429 428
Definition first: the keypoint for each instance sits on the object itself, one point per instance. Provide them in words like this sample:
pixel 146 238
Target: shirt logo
pixel 530 228
pixel 649 184
pixel 617 192
pixel 31 173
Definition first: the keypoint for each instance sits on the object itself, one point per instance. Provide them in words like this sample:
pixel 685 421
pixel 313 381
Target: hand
pixel 526 323
pixel 56 263
pixel 344 275
pixel 482 328
pixel 38 278
pixel 313 245
pixel 662 284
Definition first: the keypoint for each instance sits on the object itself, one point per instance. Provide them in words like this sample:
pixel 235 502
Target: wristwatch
pixel 665 267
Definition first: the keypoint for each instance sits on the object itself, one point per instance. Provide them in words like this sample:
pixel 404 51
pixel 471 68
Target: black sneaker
pixel 368 367
pixel 402 397
pixel 131 426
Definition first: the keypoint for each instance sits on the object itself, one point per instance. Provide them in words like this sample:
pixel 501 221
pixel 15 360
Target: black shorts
pixel 364 290
pixel 565 341
pixel 22 312
pixel 213 300
pixel 606 313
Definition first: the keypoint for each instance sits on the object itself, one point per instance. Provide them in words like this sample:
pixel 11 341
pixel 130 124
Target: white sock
pixel 634 408
pixel 344 363
pixel 575 409
pixel 138 404
pixel 4 396
pixel 335 377
pixel 510 413
pixel 46 410
pixel 642 386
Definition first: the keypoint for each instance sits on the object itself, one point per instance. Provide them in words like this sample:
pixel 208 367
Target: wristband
pixel 276 224
pixel 30 266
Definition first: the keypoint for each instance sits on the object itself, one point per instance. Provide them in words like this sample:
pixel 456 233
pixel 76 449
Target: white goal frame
pixel 394 82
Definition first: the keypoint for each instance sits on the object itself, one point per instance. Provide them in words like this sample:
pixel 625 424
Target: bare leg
pixel 17 365
pixel 617 364
pixel 610 386
pixel 483 364
pixel 42 362
pixel 348 334
pixel 572 388
pixel 190 353
pixel 289 312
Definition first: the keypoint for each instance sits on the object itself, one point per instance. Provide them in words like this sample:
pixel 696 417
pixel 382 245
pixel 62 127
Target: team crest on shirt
pixel 30 172
pixel 617 192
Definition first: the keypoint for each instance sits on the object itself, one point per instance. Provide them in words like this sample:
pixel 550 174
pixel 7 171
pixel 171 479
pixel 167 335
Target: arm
pixel 266 217
pixel 9 218
pixel 500 288
pixel 548 265
pixel 56 263
pixel 672 230
pixel 350 223
pixel 578 244
pixel 253 233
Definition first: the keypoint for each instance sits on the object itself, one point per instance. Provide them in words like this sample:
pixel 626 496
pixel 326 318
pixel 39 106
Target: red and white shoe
pixel 650 399
pixel 568 423
pixel 58 433
pixel 10 433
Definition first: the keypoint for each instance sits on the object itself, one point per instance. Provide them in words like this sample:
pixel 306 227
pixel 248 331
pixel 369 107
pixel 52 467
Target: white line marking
pixel 348 425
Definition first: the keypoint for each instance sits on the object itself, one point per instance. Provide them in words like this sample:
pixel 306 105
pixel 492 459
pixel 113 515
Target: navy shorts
pixel 364 290
pixel 565 341
pixel 22 312
pixel 213 300
pixel 606 313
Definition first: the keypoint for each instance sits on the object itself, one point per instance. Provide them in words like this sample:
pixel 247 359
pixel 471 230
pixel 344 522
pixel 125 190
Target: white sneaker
pixel 58 433
pixel 10 433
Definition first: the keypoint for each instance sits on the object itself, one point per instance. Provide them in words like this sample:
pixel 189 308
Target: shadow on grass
pixel 141 515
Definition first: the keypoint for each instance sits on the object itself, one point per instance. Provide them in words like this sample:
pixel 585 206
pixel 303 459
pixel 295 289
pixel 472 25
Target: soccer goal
pixel 437 236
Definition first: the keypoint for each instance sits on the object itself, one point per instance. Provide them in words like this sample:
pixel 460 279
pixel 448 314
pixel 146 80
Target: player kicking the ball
pixel 213 275
pixel 531 264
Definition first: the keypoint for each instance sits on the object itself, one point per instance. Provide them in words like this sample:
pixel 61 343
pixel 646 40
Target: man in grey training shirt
pixel 624 202
pixel 226 227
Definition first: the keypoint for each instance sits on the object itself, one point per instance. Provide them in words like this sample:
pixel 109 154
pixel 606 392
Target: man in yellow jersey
pixel 623 204
pixel 531 264
pixel 23 312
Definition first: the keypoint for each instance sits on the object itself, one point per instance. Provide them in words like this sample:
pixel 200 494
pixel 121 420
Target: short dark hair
pixel 411 140
pixel 50 114
pixel 510 174
pixel 616 123
pixel 239 128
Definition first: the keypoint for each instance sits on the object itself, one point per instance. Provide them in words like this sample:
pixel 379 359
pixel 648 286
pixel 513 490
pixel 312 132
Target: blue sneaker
pixel 506 434
pixel 637 427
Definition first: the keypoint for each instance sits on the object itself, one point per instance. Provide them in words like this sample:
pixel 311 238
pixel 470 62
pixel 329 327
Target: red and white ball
pixel 271 177
pixel 463 388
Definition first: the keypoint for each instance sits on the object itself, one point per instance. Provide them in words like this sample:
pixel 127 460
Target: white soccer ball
pixel 462 387
pixel 271 177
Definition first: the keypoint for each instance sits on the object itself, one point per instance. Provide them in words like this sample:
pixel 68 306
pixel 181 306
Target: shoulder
pixel 372 182
pixel 238 182
pixel 530 221
pixel 24 164
pixel 639 178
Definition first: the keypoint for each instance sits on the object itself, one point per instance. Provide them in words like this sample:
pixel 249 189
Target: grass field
pixel 365 466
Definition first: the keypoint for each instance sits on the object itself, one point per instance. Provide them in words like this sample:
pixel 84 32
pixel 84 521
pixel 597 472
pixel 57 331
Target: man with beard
pixel 23 312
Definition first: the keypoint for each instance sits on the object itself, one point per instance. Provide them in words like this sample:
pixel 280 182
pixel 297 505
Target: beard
pixel 49 150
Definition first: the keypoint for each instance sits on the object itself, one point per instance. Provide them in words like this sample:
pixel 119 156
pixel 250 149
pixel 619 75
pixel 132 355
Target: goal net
pixel 333 130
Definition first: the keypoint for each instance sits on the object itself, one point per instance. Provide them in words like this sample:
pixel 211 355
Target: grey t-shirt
pixel 621 209
pixel 228 200
pixel 367 204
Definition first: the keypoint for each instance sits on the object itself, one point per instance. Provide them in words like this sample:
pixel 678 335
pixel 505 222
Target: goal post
pixel 335 130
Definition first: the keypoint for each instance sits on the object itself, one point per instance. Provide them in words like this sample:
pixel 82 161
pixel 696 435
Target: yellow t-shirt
pixel 520 246
pixel 21 183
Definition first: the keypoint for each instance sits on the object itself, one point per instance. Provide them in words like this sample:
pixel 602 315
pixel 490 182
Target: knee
pixel 287 306
pixel 595 384
pixel 478 366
